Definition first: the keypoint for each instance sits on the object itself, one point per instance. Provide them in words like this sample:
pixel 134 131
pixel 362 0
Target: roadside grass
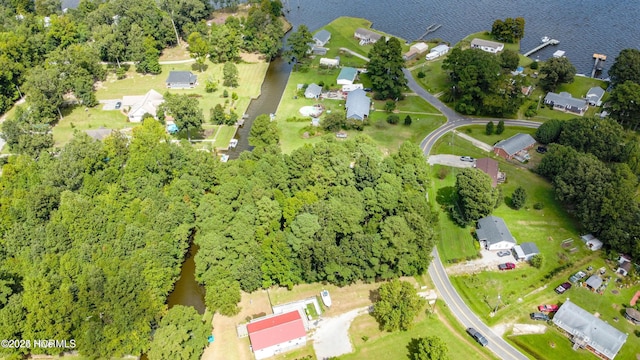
pixel 77 119
pixel 411 103
pixel 478 132
pixel 370 342
pixel 550 345
pixel 436 80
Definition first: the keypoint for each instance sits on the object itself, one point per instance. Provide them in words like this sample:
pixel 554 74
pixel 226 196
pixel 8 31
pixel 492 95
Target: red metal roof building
pixel 277 334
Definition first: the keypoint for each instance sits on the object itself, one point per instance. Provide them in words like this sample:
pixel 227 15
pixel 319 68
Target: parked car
pixel 563 287
pixel 577 276
pixel 478 337
pixel 367 89
pixel 507 266
pixel 539 316
pixel 548 308
pixel 504 253
pixel 118 105
pixel 467 159
pixel 541 149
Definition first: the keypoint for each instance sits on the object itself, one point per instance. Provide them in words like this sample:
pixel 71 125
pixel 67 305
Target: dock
pixel 430 29
pixel 542 46
pixel 597 58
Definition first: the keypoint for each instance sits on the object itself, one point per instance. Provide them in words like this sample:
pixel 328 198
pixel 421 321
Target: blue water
pixel 583 27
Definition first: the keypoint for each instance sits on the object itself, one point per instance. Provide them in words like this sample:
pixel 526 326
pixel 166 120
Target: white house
pixel 330 62
pixel 486 45
pixel 143 104
pixel 437 51
pixel 273 335
pixel 321 37
pixel 347 76
pixel 366 36
pixel 493 234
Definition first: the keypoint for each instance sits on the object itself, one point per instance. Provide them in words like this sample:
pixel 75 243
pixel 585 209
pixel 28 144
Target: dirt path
pixel 332 335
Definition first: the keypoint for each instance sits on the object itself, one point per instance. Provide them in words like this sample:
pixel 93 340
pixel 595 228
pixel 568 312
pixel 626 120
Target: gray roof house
pixel 515 146
pixel 322 37
pixel 567 103
pixel 366 36
pixel 493 234
pixel 313 91
pixel 594 282
pixel 486 45
pixel 525 251
pixel 181 80
pixel 347 76
pixel 358 105
pixel 588 331
pixel 594 96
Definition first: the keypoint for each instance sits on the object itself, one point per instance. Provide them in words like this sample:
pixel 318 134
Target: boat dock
pixel 597 58
pixel 542 46
pixel 430 29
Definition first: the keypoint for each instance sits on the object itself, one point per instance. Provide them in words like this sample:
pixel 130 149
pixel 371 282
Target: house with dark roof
pixel 624 265
pixel 321 37
pixel 366 36
pixel 594 96
pixel 493 234
pixel 490 167
pixel 588 331
pixel 181 80
pixel 567 103
pixel 515 147
pixel 525 251
pixel 486 45
pixel 276 334
pixel 358 105
pixel 313 91
pixel 347 76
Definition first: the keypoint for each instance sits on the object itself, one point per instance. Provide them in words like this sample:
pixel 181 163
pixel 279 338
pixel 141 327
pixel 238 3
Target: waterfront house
pixel 181 80
pixel 358 105
pixel 516 147
pixel 366 36
pixel 318 50
pixel 419 47
pixel 273 335
pixel 313 91
pixel 347 76
pixel 326 62
pixel 493 234
pixel 322 37
pixel 437 51
pixel 143 104
pixel 594 96
pixel 588 331
pixel 567 103
pixel 526 251
pixel 410 55
pixel 490 167
pixel 486 45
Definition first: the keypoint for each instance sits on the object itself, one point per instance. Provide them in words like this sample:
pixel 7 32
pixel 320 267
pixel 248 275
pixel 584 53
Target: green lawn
pixel 478 132
pixel 550 345
pixel 410 104
pixel 436 80
pixel 77 119
pixel 486 35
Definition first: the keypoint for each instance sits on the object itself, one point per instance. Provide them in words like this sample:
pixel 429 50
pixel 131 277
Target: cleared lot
pixel 450 160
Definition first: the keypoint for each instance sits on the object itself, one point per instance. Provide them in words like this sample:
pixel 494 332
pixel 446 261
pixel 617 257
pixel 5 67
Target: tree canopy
pixel 397 305
pixel 556 71
pixel 510 30
pixel 182 335
pixel 476 198
pixel 185 111
pixel 428 348
pixel 626 67
pixel 385 69
pixel 298 43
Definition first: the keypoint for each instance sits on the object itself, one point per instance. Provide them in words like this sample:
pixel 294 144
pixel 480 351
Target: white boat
pixel 233 143
pixel 224 158
pixel 326 298
pixel 545 39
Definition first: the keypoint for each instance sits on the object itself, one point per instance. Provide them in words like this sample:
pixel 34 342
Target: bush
pixel 534 65
pixel 407 120
pixel 389 106
pixel 210 86
pixel 393 119
pixel 536 261
pixel 421 74
pixel 538 206
pixel 443 172
pixel 225 93
pixel 500 127
pixel 121 73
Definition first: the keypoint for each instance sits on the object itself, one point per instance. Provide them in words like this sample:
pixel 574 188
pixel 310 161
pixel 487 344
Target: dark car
pixel 478 337
pixel 539 316
pixel 507 266
pixel 541 149
pixel 504 253
pixel 367 89
pixel 563 287
pixel 118 105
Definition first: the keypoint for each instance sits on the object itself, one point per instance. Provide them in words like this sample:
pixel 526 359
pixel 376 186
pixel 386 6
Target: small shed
pixel 319 50
pixel 558 54
pixel 591 242
pixel 313 91
pixel 437 51
pixel 330 62
pixel 347 76
pixel 526 251
pixel 594 282
pixel 632 315
pixel 420 47
pixel 624 265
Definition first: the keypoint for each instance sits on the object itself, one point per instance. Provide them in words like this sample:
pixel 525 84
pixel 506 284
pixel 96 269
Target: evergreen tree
pixel 385 69
pixel 230 74
pixel 500 127
pixel 407 120
pixel 489 128
pixel 519 198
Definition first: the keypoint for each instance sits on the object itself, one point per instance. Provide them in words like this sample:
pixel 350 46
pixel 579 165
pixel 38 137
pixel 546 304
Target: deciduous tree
pixel 185 110
pixel 556 71
pixel 385 69
pixel 428 348
pixel 182 335
pixel 397 306
pixel 626 67
pixel 230 74
pixel 476 197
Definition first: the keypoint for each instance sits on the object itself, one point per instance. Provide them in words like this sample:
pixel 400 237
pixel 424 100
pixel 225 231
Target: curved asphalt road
pixel 436 270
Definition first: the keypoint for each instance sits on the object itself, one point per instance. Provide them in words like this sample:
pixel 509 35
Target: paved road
pixel 436 270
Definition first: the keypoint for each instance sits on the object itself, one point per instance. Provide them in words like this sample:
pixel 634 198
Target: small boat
pixel 545 39
pixel 224 158
pixel 233 143
pixel 326 298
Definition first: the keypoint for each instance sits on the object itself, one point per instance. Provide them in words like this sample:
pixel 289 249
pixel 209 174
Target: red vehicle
pixel 507 266
pixel 548 308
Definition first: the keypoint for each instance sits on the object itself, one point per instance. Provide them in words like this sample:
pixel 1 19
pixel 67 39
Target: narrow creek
pixel 186 290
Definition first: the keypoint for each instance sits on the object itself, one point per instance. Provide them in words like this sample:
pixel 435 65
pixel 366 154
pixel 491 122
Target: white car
pixel 467 159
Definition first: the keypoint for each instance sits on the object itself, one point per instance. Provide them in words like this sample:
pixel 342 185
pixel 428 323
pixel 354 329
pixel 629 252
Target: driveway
pixel 110 104
pixel 488 262
pixel 332 335
pixel 450 160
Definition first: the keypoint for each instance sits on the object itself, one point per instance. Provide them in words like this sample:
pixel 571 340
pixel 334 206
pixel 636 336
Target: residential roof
pixel 313 89
pixel 348 73
pixel 595 94
pixel 596 333
pixel 493 230
pixel 490 167
pixel 366 33
pixel 357 104
pixel 565 99
pixel 420 47
pixel 527 249
pixel 147 103
pixel 275 330
pixel 440 48
pixel 487 43
pixel 594 281
pixel 322 36
pixel 181 77
pixel 516 143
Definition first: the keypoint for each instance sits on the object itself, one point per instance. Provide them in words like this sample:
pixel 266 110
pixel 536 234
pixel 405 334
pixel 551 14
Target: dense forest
pixel 337 212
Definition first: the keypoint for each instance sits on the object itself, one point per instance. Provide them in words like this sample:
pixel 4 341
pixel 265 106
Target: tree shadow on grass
pixel 446 196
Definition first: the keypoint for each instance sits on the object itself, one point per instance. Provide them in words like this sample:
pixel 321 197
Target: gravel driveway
pixel 489 261
pixel 332 335
pixel 449 160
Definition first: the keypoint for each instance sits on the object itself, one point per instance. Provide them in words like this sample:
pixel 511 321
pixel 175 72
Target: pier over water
pixel 542 46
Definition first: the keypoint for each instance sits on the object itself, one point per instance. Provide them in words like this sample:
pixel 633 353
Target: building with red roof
pixel 277 334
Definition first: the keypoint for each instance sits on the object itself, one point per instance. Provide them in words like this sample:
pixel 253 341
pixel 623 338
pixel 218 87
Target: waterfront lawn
pixel 486 35
pixel 436 80
pixel 580 85
pixel 478 132
pixel 77 119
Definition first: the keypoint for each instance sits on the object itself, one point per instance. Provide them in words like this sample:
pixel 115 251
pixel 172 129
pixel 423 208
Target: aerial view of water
pixel 584 27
